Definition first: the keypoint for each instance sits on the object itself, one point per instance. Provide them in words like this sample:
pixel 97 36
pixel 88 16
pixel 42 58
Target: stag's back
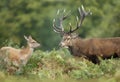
pixel 104 46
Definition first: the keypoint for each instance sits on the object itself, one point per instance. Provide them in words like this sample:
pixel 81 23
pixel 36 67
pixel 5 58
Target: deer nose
pixel 39 44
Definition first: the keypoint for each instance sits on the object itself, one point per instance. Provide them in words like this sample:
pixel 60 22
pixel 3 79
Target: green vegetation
pixel 60 65
pixel 34 17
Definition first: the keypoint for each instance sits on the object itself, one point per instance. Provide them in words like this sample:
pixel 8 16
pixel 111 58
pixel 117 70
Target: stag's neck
pixel 80 46
pixel 77 42
pixel 77 46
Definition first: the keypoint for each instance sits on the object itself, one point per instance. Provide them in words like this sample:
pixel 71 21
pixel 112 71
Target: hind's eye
pixel 33 42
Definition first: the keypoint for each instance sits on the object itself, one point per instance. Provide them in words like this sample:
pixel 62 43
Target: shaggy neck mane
pixel 74 48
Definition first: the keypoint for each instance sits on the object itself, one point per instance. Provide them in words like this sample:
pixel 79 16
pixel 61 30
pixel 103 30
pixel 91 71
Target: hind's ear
pixel 26 38
pixel 30 37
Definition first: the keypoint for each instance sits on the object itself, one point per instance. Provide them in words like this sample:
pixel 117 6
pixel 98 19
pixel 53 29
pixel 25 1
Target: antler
pixel 60 28
pixel 83 14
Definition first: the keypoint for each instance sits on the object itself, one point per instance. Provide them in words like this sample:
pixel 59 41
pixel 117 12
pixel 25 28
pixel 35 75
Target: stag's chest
pixel 74 50
pixel 79 47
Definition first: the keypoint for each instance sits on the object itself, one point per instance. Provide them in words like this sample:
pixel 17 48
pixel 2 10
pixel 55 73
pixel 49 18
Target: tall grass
pixel 61 66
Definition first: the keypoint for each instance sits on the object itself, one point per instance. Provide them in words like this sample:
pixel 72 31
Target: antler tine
pixel 66 16
pixel 83 14
pixel 60 28
pixel 70 27
pixel 56 29
pixel 58 11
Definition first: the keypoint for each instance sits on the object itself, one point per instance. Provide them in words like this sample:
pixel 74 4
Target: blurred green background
pixel 34 17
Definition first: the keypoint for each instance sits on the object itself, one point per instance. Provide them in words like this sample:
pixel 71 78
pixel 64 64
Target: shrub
pixel 60 64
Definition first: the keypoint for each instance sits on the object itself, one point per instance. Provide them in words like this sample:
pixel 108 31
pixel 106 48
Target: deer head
pixel 67 37
pixel 31 42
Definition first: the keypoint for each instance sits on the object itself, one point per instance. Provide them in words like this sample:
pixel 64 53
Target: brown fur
pixel 18 57
pixel 88 48
pixel 92 48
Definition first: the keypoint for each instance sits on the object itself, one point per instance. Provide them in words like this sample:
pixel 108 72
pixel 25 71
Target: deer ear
pixel 25 37
pixel 30 37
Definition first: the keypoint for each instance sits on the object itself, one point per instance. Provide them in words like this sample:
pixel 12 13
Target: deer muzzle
pixel 62 44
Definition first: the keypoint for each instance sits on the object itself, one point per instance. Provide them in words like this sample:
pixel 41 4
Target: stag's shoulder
pixel 104 40
pixel 98 40
pixel 115 38
pixel 110 38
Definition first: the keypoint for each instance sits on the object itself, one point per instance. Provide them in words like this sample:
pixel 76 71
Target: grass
pixel 59 65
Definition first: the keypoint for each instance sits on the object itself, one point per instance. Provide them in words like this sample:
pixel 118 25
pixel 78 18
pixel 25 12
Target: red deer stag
pixel 18 57
pixel 88 48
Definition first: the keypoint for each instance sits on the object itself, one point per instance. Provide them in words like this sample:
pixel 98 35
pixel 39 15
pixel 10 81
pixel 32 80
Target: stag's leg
pixel 115 55
pixel 94 59
pixel 118 52
pixel 118 55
